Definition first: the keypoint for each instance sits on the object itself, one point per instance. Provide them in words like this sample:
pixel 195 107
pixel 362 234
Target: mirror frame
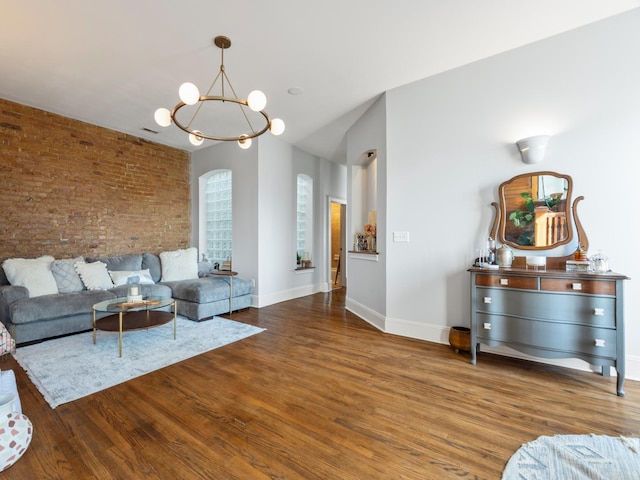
pixel 497 230
pixel 504 212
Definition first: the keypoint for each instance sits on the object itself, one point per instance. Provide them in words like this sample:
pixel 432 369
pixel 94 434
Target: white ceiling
pixel 113 62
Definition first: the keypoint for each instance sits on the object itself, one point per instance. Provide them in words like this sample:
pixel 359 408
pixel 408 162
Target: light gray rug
pixel 69 368
pixel 576 457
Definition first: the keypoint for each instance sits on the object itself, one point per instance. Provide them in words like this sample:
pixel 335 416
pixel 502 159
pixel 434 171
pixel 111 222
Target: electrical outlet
pixel 401 237
pixel 253 282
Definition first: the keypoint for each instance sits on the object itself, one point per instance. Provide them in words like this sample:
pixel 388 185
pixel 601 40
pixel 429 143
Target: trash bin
pixel 460 339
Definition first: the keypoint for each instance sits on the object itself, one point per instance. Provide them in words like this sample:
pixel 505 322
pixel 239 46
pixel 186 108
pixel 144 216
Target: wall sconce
pixel 532 148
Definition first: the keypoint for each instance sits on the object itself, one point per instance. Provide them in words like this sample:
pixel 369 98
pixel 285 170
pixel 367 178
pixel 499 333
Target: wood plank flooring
pixel 320 395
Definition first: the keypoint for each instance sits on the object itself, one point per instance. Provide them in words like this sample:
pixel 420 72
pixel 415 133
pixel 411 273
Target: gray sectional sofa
pixel 39 317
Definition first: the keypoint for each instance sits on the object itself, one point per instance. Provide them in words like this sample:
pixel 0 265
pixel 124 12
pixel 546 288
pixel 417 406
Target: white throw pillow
pixel 94 275
pixel 32 273
pixel 123 277
pixel 179 264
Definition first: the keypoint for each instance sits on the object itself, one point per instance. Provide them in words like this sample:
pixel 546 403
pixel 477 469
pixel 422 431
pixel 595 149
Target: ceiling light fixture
pixel 190 96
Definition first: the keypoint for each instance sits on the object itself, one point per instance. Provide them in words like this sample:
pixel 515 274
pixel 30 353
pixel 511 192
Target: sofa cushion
pixel 179 264
pixel 200 290
pixel 94 275
pixel 67 278
pixel 32 273
pixel 54 306
pixel 123 262
pixel 125 277
pixel 209 289
pixel 241 286
pixel 152 262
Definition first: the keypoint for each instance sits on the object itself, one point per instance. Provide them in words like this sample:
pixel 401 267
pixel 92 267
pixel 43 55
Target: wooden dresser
pixel 550 314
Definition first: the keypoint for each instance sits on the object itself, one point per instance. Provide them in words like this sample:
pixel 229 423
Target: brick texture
pixel 69 188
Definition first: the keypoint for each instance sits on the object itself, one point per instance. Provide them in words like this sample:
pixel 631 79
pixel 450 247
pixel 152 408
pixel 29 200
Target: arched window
pixel 218 216
pixel 304 212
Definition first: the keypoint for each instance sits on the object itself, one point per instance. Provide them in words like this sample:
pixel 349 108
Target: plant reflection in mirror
pixel 523 218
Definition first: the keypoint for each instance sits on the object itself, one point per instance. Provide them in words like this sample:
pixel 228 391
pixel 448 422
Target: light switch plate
pixel 401 237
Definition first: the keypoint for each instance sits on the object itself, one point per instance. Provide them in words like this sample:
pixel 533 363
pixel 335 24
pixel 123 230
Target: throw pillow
pixel 67 278
pixel 179 264
pixel 94 275
pixel 152 262
pixel 124 277
pixel 32 273
pixel 204 268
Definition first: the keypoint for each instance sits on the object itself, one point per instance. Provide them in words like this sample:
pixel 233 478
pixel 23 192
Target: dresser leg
pixel 620 384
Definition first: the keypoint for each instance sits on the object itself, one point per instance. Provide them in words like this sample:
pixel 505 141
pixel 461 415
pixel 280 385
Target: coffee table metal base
pixel 135 320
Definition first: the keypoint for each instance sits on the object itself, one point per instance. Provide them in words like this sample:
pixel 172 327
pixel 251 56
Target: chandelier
pixel 194 102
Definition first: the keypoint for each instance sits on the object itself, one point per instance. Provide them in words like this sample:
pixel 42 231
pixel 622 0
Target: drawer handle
pixel 576 286
pixel 599 342
pixel 504 281
pixel 486 299
pixel 487 326
pixel 598 311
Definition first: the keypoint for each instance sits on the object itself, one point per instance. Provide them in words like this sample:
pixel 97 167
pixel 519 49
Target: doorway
pixel 337 244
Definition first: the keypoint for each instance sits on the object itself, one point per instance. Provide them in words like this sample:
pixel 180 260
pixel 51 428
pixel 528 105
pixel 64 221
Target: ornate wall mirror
pixel 535 212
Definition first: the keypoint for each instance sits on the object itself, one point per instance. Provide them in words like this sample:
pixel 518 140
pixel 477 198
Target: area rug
pixel 72 367
pixel 576 457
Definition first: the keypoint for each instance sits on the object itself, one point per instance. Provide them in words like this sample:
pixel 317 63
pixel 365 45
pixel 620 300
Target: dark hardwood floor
pixel 320 395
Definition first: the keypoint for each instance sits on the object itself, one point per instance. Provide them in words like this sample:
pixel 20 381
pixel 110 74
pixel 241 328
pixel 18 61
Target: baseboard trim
pixel 259 301
pixel 365 313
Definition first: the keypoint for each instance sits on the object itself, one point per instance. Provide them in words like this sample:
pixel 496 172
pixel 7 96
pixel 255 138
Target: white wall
pixel 451 142
pixel 276 195
pixel 264 226
pixel 366 274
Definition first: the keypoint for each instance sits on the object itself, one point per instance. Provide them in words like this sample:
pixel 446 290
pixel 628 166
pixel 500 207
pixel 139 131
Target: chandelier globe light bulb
pixel 277 126
pixel 189 93
pixel 257 101
pixel 162 117
pixel 196 139
pixel 244 142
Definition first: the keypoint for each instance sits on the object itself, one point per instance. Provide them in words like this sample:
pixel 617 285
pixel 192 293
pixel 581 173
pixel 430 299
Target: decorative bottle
pixel 580 255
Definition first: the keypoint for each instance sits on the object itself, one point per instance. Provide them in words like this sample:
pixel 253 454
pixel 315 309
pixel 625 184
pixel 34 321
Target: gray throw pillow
pixel 67 278
pixel 204 268
pixel 152 262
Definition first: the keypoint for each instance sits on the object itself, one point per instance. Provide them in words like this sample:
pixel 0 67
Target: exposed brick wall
pixel 69 188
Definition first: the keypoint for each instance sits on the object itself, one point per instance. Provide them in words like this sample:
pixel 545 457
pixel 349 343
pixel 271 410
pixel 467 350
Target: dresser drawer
pixel 597 287
pixel 557 337
pixel 589 310
pixel 506 281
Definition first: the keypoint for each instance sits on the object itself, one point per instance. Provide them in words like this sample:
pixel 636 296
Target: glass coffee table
pixel 133 316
